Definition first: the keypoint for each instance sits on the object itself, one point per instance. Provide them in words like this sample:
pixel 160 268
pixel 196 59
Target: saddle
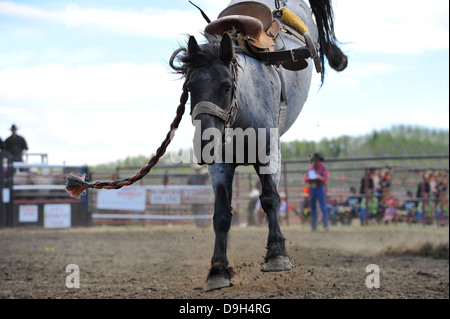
pixel 254 21
pixel 251 29
pixel 257 31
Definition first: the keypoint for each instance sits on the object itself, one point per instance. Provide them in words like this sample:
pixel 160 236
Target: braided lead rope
pixel 76 185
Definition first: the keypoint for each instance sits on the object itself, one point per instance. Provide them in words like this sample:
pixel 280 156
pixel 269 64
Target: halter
pixel 226 115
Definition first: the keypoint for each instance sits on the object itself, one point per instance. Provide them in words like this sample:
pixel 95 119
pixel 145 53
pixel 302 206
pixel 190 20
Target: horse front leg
pixel 277 258
pixel 221 176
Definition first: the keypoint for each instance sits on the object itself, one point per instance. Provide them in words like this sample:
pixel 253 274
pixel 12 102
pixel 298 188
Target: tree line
pixel 398 140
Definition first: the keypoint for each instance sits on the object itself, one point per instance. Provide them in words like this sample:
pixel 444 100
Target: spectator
pixel 369 205
pixel 352 207
pixel 332 211
pixel 424 204
pixel 285 208
pixel 304 207
pixel 442 211
pixel 410 208
pixel 386 177
pixel 389 205
pixel 317 178
pixel 367 183
pixel 425 211
pixel 442 182
pixel 423 188
pixel 15 147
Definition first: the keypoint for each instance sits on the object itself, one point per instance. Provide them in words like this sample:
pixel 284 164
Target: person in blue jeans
pixel 317 178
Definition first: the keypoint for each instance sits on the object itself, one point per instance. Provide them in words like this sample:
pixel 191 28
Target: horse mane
pixel 208 55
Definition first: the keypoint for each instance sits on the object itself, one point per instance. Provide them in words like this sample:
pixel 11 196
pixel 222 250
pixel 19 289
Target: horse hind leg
pixel 277 258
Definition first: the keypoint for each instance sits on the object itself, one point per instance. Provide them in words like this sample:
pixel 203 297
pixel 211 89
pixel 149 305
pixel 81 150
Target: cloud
pixel 147 23
pixel 99 83
pixel 401 26
pixel 384 26
pixel 111 110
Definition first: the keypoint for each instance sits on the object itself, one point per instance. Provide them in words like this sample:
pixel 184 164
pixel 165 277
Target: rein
pixel 76 186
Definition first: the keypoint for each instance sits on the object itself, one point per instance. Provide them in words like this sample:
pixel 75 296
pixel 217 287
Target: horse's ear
pixel 226 49
pixel 193 46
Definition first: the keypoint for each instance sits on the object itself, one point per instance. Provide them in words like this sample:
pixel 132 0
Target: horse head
pixel 210 72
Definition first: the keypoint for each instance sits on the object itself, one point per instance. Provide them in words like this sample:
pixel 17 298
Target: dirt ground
pixel 168 262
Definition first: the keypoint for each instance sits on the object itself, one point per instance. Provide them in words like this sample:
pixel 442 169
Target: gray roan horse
pixel 239 105
pixel 212 71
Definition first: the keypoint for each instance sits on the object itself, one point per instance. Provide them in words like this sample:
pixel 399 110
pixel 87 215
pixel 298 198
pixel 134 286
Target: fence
pixel 33 195
pixel 406 173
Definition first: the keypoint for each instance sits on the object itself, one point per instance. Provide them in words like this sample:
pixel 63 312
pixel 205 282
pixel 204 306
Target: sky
pixel 88 82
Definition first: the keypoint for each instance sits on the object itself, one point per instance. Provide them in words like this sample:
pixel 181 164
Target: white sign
pixel 57 216
pixel 198 195
pixel 28 213
pixel 312 174
pixel 165 196
pixel 127 198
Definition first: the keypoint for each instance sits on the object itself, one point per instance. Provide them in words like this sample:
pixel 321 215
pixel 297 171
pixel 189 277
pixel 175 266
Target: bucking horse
pixel 247 81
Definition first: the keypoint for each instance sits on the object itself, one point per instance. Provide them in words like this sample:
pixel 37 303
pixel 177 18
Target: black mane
pixel 208 55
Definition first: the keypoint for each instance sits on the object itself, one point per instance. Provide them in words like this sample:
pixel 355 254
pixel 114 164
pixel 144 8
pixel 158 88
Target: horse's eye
pixel 228 89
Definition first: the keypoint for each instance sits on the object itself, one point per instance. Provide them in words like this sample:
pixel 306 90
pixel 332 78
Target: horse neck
pixel 258 100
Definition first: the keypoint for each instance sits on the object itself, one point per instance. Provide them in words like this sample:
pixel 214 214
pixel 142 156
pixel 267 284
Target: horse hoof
pixel 280 263
pixel 217 282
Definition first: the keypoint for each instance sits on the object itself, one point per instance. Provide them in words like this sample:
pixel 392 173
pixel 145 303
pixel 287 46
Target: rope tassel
pixel 76 186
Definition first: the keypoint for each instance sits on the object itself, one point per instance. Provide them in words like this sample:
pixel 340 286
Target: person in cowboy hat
pixel 15 145
pixel 317 179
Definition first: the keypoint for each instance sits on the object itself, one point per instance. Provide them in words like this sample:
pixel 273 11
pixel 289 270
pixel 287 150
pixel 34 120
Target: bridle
pixel 207 107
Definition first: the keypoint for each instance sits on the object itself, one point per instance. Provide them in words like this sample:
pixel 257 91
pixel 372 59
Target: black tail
pixel 323 12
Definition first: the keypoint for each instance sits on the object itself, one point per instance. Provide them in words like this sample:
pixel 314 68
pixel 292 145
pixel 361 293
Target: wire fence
pixel 403 174
pixel 417 184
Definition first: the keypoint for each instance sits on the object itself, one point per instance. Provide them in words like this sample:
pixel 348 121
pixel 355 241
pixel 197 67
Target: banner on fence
pixel 127 198
pixel 198 195
pixel 165 196
pixel 28 213
pixel 57 216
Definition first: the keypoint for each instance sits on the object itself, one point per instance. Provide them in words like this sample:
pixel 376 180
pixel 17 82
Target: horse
pixel 240 106
pixel 233 91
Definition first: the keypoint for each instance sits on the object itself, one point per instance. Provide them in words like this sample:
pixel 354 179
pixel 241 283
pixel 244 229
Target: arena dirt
pixel 172 262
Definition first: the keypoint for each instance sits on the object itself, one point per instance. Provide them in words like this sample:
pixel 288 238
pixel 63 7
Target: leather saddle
pixel 253 19
pixel 258 31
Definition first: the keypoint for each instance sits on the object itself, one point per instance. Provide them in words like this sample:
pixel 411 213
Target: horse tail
pixel 76 186
pixel 323 12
